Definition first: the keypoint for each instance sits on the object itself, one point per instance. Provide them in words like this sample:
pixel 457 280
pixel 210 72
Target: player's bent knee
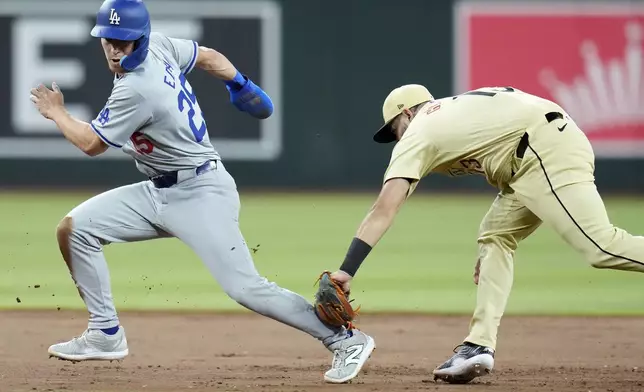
pixel 600 260
pixel 63 234
pixel 247 293
pixel 241 295
pixel 599 265
pixel 64 229
pixel 595 253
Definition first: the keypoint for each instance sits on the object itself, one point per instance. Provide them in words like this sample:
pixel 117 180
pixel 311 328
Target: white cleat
pixel 349 355
pixel 92 345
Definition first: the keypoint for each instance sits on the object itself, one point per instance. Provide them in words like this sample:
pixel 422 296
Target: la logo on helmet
pixel 114 17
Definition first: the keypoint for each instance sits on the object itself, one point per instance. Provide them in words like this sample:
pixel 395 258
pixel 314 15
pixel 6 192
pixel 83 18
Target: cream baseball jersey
pixel 473 133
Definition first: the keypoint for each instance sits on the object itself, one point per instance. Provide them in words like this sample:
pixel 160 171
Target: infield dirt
pixel 244 352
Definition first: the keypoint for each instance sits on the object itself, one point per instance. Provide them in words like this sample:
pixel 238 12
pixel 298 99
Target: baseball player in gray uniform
pixel 153 115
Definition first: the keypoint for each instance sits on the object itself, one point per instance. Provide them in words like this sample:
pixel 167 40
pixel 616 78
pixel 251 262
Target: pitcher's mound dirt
pixel 175 352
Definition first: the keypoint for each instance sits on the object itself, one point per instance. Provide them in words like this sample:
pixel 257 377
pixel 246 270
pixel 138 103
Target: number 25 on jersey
pixel 186 99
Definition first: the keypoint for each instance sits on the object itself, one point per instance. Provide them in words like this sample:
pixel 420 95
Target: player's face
pixel 400 123
pixel 114 51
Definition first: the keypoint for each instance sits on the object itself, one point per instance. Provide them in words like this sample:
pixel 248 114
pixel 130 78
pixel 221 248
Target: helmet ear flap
pixel 134 59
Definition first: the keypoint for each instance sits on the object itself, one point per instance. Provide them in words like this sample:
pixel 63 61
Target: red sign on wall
pixel 587 57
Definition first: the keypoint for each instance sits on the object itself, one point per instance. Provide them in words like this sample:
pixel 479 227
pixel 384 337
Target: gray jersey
pixel 153 114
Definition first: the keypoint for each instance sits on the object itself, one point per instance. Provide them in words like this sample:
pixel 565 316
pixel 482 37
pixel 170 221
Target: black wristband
pixel 358 251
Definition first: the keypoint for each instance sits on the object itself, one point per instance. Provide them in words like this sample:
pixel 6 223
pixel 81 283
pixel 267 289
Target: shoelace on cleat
pixel 337 359
pixel 79 337
pixel 457 349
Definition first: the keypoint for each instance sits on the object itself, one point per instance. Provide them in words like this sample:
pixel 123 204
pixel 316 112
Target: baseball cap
pixel 401 98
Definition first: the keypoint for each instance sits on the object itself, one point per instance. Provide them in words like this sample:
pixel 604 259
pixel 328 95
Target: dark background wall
pixel 338 61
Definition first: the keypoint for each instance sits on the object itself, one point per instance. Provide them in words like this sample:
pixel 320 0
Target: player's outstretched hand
pixel 332 304
pixel 343 279
pixel 48 102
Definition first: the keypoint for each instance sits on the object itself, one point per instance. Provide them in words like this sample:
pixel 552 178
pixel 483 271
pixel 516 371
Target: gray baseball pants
pixel 200 210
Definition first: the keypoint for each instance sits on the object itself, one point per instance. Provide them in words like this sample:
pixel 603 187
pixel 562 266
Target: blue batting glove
pixel 247 97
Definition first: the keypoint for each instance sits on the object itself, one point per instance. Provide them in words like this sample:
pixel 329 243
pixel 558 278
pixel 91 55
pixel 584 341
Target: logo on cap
pixel 401 105
pixel 115 19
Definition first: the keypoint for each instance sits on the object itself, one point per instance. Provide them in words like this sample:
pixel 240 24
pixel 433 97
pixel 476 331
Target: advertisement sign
pixel 587 57
pixel 50 41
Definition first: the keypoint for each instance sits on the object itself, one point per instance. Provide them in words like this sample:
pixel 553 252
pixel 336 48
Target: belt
pixel 166 180
pixel 523 143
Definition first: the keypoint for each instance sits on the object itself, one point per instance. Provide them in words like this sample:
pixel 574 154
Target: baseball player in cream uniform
pixel 541 162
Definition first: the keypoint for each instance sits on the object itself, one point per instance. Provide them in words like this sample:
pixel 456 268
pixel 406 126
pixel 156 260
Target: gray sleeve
pixel 184 51
pixel 124 113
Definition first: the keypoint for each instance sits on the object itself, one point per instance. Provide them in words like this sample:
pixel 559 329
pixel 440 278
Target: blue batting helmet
pixel 125 20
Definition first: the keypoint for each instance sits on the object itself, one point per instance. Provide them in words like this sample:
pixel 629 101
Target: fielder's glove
pixel 332 304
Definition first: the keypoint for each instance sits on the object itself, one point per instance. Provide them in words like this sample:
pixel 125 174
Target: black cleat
pixel 469 362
